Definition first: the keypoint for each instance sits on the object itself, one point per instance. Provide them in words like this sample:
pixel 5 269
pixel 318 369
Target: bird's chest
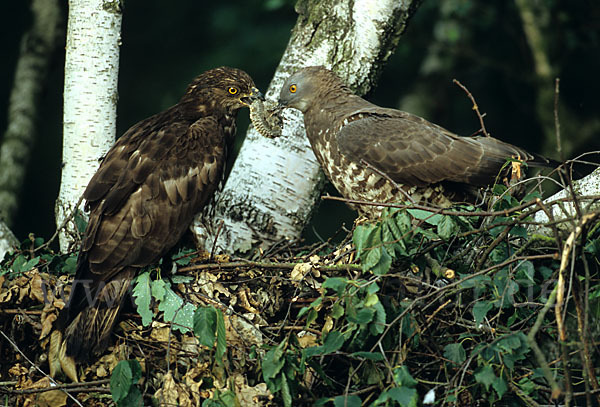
pixel 352 180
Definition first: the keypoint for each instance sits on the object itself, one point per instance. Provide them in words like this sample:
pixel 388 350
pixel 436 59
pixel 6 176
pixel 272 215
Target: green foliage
pixel 174 309
pixel 208 326
pixel 123 380
pixel 281 368
pixel 33 253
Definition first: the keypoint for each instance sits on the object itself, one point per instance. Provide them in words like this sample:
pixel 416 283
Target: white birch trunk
pixel 275 183
pixel 587 186
pixel 90 99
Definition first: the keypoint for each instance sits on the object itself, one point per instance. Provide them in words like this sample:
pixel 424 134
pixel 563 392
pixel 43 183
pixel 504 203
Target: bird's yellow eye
pixel 232 90
pixel 293 88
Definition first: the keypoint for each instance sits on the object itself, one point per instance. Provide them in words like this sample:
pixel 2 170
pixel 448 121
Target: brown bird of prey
pixel 143 197
pixel 370 152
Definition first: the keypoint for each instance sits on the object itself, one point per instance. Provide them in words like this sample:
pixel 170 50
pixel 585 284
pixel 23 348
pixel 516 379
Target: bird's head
pixel 229 88
pixel 303 88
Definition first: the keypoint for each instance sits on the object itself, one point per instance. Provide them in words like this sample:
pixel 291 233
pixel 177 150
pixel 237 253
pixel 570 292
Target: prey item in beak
pixel 249 98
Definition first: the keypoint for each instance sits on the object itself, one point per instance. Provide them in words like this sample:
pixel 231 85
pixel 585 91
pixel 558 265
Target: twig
pixel 62 225
pixel 268 265
pixel 14 345
pixel 475 107
pixel 556 122
pixel 73 387
pixel 214 246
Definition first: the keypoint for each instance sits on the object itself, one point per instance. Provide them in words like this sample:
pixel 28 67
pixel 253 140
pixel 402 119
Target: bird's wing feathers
pixel 147 208
pixel 413 151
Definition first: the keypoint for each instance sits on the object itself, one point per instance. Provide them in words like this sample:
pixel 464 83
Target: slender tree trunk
pixel 90 99
pixel 274 184
pixel 37 47
pixel 587 186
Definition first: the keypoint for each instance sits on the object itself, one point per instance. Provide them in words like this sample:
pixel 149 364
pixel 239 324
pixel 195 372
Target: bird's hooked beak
pixel 254 94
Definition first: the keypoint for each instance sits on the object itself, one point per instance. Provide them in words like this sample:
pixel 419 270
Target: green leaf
pixel 136 370
pixel 80 221
pixel 29 265
pixel 455 352
pixel 143 297
pixel 427 216
pixel 337 284
pixel 159 289
pixel 378 325
pixel 362 316
pixel 519 231
pixel 499 384
pixel 205 325
pixel 286 394
pixel 121 380
pixel 221 338
pixel 372 258
pixel 362 237
pixel 447 227
pixel 525 271
pixel 475 282
pixel 384 264
pixel 333 342
pixel 273 362
pixel 405 396
pixel 18 263
pixel 70 265
pixel 374 356
pixel 480 310
pixel 347 401
pixel 402 377
pixel 337 311
pixel 485 376
pixel 133 399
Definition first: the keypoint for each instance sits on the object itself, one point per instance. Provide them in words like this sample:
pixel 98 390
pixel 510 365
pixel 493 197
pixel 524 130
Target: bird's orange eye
pixel 232 90
pixel 293 88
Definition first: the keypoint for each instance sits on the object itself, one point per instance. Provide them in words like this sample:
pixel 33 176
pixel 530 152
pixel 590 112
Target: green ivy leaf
pixel 143 297
pixel 455 352
pixel 205 325
pixel 499 384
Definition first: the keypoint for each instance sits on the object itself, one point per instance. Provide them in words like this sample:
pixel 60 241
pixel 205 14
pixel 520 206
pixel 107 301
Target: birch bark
pixel 274 183
pixel 90 99
pixel 588 186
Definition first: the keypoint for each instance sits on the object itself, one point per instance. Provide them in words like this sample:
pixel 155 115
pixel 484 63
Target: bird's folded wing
pixel 413 151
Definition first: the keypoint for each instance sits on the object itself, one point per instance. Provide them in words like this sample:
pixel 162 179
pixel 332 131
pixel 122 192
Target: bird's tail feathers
pixel 89 331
